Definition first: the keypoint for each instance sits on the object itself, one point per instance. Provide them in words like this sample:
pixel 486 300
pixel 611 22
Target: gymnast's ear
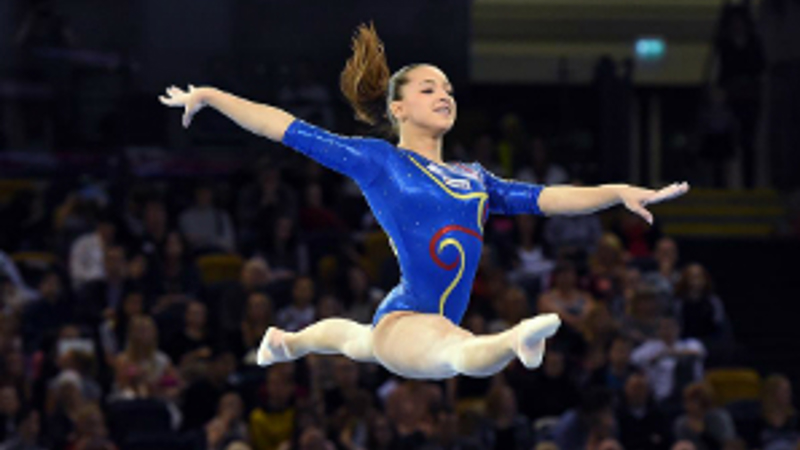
pixel 396 109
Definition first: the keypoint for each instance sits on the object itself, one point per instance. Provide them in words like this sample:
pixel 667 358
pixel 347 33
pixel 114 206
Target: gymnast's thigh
pixel 416 345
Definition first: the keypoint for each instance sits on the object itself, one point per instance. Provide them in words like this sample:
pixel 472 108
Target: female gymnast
pixel 432 211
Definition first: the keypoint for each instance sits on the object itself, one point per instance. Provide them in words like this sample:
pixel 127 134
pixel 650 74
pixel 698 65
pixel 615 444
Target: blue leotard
pixel 433 213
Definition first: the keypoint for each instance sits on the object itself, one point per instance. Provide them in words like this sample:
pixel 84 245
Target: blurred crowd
pixel 131 310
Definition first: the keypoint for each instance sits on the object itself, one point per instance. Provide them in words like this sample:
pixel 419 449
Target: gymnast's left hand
pixel 635 198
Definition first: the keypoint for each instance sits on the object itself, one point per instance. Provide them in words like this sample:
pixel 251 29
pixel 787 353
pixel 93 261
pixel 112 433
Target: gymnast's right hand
pixel 192 101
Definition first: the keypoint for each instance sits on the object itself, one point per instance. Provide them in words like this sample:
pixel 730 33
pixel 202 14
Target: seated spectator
pixel 63 411
pixel 141 370
pixel 262 202
pixel 569 301
pixel 114 329
pixel 641 424
pixel 615 373
pixel 207 227
pixel 90 430
pixel 778 425
pixel 411 408
pixel 41 319
pixel 591 422
pixel 642 316
pixel 27 437
pixel 228 424
pixel 315 217
pixel 286 253
pixel 274 421
pixel 361 297
pixel 663 274
pixel 552 387
pixel 10 410
pixel 670 362
pixel 175 273
pixel 537 167
pixel 97 299
pixel 599 327
pixel 510 309
pixel 381 434
pixel 255 276
pixel 707 427
pixel 509 429
pixel 202 394
pixel 193 342
pixel 87 254
pixel 257 318
pixel 638 238
pixel 300 313
pixel 532 269
pixel 699 309
pixel 573 235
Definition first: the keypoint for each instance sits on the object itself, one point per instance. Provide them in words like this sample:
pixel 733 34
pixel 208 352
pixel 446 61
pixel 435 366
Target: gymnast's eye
pixel 428 91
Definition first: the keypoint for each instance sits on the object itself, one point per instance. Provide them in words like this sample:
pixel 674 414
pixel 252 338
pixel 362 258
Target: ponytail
pixel 366 80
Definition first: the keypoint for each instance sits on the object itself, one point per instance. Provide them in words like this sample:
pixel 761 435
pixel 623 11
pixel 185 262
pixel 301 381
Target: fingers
pixel 639 210
pixel 668 193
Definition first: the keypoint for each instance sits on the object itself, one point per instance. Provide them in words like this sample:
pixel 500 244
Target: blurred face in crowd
pixel 90 422
pixel 303 291
pixel 231 406
pixel 426 102
pixel 115 262
pixel 637 390
pixel 314 196
pixel 554 363
pixel 174 246
pixel 50 287
pixel 255 273
pixel 204 197
pixel 196 315
pixel 381 430
pixel 144 331
pixel 328 306
pixel 666 251
pixel 132 304
pixel 313 439
pixel 155 217
pixel 107 231
pixel 620 353
pixel 280 386
pixel 696 279
pixel 566 279
pixel 30 428
pixel 357 280
pixel 345 373
pixel 259 307
pixel 684 445
pixel 668 330
pixel 284 228
pixel 515 305
pixel 9 401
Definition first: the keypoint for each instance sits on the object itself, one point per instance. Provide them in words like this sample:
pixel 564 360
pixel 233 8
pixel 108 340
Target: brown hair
pixel 682 286
pixel 701 392
pixel 769 393
pixel 367 82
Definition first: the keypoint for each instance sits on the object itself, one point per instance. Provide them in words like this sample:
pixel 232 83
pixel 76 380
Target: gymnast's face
pixel 426 102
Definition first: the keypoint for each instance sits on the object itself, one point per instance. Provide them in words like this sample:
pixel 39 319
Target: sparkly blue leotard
pixel 433 213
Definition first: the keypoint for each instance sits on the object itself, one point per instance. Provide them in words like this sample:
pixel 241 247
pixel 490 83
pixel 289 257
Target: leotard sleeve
pixel 358 158
pixel 509 197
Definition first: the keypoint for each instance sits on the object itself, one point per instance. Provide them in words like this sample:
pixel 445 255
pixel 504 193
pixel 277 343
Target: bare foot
pixel 530 340
pixel 273 348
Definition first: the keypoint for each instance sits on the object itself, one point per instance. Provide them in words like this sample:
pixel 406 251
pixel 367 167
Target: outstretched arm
pixel 263 120
pixel 573 200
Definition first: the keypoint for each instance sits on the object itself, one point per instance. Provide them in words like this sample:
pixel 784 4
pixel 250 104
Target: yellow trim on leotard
pixel 462 262
pixel 481 195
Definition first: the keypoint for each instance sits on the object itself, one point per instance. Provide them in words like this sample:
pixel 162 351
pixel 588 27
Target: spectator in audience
pixel 42 318
pixel 573 236
pixel 707 427
pixel 90 430
pixel 381 434
pixel 86 257
pixel 63 412
pixel 262 202
pixel 411 407
pixel 552 387
pixel 599 327
pixel 510 309
pixel 569 301
pixel 592 422
pixel 361 297
pixel 778 425
pixel 10 410
pixel 255 277
pixel 509 429
pixel 532 268
pixel 286 253
pixel 114 329
pixel 176 273
pixel 684 445
pixel 640 323
pixel 608 261
pixel 99 298
pixel 274 422
pixel 193 342
pixel 615 373
pixel 669 361
pixel 537 167
pixel 642 426
pixel 141 370
pixel 28 437
pixel 228 421
pixel 638 238
pixel 258 316
pixel 155 228
pixel 203 393
pixel 207 227
pixel 315 217
pixel 699 309
pixel 300 313
pixel 664 273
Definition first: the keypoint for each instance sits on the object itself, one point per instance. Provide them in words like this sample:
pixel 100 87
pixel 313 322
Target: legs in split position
pixel 415 345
